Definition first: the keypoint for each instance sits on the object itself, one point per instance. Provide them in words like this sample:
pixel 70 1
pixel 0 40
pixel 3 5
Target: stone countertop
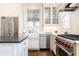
pixel 13 39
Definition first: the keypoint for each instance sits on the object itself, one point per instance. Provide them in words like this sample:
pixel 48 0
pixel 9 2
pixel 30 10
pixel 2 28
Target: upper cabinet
pixel 47 15
pixel 40 16
pixel 54 15
pixel 50 15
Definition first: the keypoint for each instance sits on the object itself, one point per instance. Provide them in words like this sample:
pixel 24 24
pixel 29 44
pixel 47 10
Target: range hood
pixel 70 7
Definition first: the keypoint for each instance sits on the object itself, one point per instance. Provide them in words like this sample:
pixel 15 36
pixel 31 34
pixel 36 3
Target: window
pixel 33 20
pixel 65 21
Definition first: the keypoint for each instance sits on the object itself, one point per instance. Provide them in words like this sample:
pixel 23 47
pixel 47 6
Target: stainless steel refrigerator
pixel 9 26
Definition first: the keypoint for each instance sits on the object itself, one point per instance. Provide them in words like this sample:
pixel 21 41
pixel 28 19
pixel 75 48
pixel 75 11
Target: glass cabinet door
pixel 55 16
pixel 50 15
pixel 47 15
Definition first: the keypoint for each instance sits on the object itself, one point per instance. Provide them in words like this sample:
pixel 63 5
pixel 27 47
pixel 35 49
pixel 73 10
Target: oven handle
pixel 69 54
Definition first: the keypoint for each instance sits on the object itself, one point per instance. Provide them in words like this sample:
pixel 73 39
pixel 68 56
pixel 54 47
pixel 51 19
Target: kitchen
pixel 39 29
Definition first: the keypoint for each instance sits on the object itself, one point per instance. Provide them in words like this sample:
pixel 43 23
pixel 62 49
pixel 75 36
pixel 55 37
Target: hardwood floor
pixel 40 53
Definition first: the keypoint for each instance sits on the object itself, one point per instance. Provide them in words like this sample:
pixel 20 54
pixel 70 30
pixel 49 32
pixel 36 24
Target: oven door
pixel 61 52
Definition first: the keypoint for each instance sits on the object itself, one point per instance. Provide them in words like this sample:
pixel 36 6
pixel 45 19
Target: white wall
pixel 13 10
pixel 75 22
pixel 52 28
pixel 65 21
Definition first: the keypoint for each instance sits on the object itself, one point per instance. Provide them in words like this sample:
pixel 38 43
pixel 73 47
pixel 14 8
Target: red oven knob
pixel 71 47
pixel 65 44
pixel 68 46
pixel 59 42
pixel 62 43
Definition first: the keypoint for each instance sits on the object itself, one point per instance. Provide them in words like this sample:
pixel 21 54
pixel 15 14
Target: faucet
pixel 65 33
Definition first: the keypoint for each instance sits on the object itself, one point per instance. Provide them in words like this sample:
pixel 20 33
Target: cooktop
pixel 70 36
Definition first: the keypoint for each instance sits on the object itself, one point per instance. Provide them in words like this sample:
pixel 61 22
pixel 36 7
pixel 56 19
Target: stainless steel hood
pixel 70 7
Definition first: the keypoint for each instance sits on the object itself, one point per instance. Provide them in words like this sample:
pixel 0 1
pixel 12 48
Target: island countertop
pixel 12 39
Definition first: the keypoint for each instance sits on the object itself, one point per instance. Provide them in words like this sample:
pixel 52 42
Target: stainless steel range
pixel 67 45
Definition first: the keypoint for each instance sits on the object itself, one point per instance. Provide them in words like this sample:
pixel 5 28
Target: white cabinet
pixel 7 49
pixel 53 43
pixel 50 14
pixel 33 44
pixel 14 49
pixel 33 41
pixel 43 42
pixel 23 48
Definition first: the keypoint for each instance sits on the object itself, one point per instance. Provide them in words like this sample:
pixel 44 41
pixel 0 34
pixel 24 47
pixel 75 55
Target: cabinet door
pixel 43 42
pixel 33 43
pixel 51 42
pixel 54 43
pixel 23 48
pixel 7 49
pixel 26 47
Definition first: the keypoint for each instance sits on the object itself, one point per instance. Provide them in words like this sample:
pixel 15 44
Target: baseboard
pixel 44 48
pixel 32 49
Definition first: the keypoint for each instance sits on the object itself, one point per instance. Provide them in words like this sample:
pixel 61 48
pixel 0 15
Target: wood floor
pixel 40 53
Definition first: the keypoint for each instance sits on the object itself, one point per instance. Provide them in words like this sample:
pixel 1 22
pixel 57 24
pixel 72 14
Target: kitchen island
pixel 14 45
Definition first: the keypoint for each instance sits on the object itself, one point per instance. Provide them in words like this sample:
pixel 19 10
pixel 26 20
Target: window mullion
pixel 51 15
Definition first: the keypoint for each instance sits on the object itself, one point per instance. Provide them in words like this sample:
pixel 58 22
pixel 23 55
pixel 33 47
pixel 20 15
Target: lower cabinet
pixel 14 49
pixel 23 48
pixel 53 43
pixel 33 43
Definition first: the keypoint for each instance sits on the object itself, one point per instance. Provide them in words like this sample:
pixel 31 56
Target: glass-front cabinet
pixel 54 16
pixel 47 15
pixel 50 15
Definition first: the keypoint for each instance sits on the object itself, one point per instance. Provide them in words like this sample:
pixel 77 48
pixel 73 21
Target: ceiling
pixel 57 5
